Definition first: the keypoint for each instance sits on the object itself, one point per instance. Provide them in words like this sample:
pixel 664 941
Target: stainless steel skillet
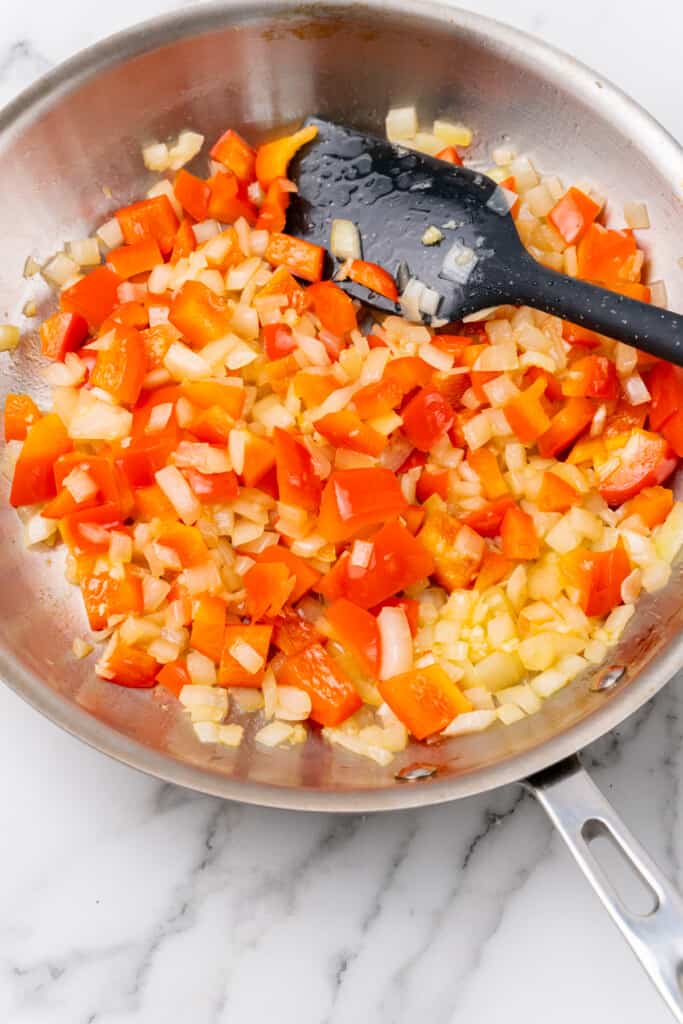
pixel 69 154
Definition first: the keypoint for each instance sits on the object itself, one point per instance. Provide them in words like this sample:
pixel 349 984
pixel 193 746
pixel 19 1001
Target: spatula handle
pixel 649 328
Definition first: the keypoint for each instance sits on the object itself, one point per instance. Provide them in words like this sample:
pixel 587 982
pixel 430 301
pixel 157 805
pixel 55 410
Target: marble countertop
pixel 127 901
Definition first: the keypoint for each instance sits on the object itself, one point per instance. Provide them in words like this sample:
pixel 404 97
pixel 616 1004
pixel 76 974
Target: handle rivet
pixel 416 772
pixel 608 678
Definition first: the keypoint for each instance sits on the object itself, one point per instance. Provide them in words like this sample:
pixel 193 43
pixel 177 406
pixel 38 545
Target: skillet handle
pixel 581 813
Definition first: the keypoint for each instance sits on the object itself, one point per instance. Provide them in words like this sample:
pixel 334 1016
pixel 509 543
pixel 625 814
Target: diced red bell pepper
pixel 130 314
pixel 62 333
pixel 229 394
pixel 211 488
pixel 653 505
pixel 624 419
pixel 645 460
pixel 591 377
pixel 426 700
pixel 138 258
pixel 130 667
pixel 193 194
pixel 278 340
pixel 494 568
pixel 272 158
pixel 212 425
pixel 186 541
pixel 21 412
pixel 120 368
pixel 573 214
pixel 598 576
pixel 237 155
pixel 305 576
pixel 553 387
pixel 149 218
pixel 665 384
pixel 432 482
pixel 112 485
pixel 272 214
pixel 228 200
pixel 374 278
pixel 208 626
pixel 355 499
pixel 346 429
pixel 398 560
pixel 485 464
pixel 199 314
pixel 296 480
pixel 105 595
pixel 86 532
pixel 487 519
pixel 575 334
pixel 333 307
pixel 450 155
pixel 426 418
pixel 377 399
pixel 356 629
pixel 33 479
pixel 184 242
pixel 259 459
pixel 333 695
pixel 157 341
pixel 93 297
pixel 300 257
pixel 673 432
pixel 268 587
pixel 526 415
pixel 282 283
pixel 292 633
pixel 555 495
pixel 231 672
pixel 174 676
pixel 408 372
pixel 565 426
pixel 602 252
pixel 518 535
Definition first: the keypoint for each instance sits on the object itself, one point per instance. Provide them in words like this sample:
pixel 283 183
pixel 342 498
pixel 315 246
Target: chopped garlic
pixel 81 647
pixel 432 236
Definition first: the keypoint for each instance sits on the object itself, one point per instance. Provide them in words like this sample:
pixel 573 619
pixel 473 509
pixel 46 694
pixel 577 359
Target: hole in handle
pixel 634 891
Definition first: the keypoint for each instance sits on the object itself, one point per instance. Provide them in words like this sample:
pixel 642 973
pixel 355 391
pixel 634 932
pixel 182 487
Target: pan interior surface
pixel 70 155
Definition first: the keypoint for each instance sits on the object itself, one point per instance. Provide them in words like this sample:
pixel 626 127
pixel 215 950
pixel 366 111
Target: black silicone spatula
pixel 394 194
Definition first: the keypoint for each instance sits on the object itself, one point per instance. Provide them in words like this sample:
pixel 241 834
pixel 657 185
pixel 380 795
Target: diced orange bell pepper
pixel 631 289
pixel 199 314
pixel 20 413
pixel 272 158
pixel 565 426
pixel 432 482
pixel 208 626
pixel 408 372
pixel 231 672
pixel 518 535
pixel 575 334
pixel 272 215
pixel 450 155
pixel 591 377
pixel 278 340
pixel 93 297
pixel 602 252
pixel 510 184
pixel 553 387
pixel 305 576
pixel 300 257
pixel 426 700
pixel 147 452
pixel 259 459
pixel 292 633
pixel 297 482
pixel 212 425
pixel 33 479
pixel 149 218
pixel 653 505
pixel 138 258
pixel 374 278
pixel 229 394
pixel 673 432
pixel 174 676
pixel 598 575
pixel 130 314
pixel 645 460
pixel 555 495
pixel 426 418
pixel 665 384
pixel 227 200
pixel 152 503
pixel 112 485
pixel 346 429
pixel 282 283
pixel 193 194
pixel 356 629
pixel 105 595
pixel 87 531
pixel 120 369
pixel 377 399
pixel 186 541
pixel 487 519
pixel 62 333
pixel 355 499
pixel 333 695
pixel 624 419
pixel 494 568
pixel 398 560
pixel 333 307
pixel 211 488
pixel 237 155
pixel 485 464
pixel 184 242
pixel 526 415
pixel 157 341
pixel 269 587
pixel 130 667
pixel 414 515
pixel 573 214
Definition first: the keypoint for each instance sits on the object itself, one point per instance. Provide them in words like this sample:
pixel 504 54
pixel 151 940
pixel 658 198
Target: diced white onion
pixel 205 230
pixel 94 420
pixel 435 357
pixel 470 721
pixel 345 240
pixel 179 493
pixel 293 704
pixel 273 734
pixel 396 642
pixel 361 553
pixel 458 264
pixel 636 216
pixel 110 234
pixel 246 656
pixel 201 669
pixel 401 124
pixel 635 390
pixel 184 364
pixel 85 252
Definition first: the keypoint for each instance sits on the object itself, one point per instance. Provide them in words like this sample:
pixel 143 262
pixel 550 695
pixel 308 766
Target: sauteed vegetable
pixel 276 502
